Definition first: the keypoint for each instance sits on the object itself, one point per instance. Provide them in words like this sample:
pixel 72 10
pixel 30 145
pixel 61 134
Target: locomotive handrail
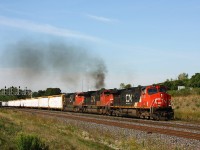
pixel 151 108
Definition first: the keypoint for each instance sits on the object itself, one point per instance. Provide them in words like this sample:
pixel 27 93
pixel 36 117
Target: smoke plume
pixel 67 62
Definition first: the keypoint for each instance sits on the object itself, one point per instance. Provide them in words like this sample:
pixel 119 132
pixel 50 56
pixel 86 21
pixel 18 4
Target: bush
pixel 185 92
pixel 30 142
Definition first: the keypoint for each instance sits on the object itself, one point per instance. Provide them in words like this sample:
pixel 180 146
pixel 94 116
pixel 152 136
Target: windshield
pixel 152 91
pixel 106 92
pixel 162 89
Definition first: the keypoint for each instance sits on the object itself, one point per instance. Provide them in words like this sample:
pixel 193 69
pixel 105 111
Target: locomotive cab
pixel 154 96
pixel 156 100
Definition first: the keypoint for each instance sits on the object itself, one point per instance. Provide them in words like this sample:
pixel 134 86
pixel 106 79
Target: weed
pixel 30 142
pixel 177 107
pixel 197 105
pixel 187 107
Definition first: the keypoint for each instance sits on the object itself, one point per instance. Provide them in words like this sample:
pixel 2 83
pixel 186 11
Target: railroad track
pixel 140 125
pixel 173 124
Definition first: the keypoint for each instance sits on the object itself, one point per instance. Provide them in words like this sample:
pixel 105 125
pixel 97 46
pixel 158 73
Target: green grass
pixel 185 92
pixel 186 104
pixel 187 108
pixel 30 142
pixel 57 134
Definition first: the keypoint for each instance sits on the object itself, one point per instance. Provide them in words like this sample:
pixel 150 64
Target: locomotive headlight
pixel 111 100
pixel 161 95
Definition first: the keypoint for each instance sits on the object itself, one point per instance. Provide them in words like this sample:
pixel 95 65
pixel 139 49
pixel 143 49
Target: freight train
pixel 151 102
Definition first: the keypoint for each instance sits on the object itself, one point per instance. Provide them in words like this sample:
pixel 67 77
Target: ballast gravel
pixel 143 138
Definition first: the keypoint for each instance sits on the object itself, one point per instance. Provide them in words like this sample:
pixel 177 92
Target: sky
pixel 139 42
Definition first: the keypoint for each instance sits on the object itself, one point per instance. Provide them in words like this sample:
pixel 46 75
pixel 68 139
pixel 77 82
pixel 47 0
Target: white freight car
pixel 17 103
pixel 11 103
pixel 4 103
pixel 31 103
pixel 43 102
pixel 22 104
pixel 56 102
pixel 51 102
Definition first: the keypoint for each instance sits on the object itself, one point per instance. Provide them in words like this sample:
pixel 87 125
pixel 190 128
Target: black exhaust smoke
pixel 67 62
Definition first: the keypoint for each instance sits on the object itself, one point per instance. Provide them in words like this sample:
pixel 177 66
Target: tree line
pixel 47 92
pixel 13 94
pixel 183 80
pixel 172 84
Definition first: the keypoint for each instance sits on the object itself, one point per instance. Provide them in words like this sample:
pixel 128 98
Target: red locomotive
pixel 150 102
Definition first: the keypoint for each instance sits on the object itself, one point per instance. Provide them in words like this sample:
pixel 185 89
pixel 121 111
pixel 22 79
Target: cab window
pixel 162 89
pixel 152 91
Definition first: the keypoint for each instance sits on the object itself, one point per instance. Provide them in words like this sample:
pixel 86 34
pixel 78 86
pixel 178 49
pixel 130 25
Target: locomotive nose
pixel 159 102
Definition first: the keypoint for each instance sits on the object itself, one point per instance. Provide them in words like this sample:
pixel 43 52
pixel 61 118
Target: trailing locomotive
pixel 150 102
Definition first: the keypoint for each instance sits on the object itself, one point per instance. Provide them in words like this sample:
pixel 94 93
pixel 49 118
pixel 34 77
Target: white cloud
pixel 44 28
pixel 100 18
pixel 4 8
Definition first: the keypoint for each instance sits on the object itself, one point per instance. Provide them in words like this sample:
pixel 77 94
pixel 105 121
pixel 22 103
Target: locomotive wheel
pixel 116 113
pixel 158 117
pixel 108 113
pixel 111 113
pixel 104 112
pixel 101 112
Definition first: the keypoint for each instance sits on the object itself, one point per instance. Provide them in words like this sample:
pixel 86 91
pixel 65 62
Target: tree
pixel 128 86
pixel 122 86
pixel 183 76
pixel 52 91
pixel 35 94
pixel 41 93
pixel 167 84
pixel 195 80
pixel 125 86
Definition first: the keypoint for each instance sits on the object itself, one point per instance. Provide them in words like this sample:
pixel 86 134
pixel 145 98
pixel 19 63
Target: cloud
pixel 4 8
pixel 45 28
pixel 101 19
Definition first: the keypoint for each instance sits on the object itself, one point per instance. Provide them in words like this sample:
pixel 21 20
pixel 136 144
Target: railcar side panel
pixel 56 102
pixel 31 103
pixel 4 104
pixel 11 103
pixel 43 102
pixel 17 103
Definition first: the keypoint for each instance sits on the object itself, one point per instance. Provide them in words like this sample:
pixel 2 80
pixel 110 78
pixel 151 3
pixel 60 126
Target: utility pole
pixel 5 91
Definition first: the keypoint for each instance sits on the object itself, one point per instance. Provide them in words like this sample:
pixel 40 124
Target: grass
pixel 187 108
pixel 30 142
pixel 57 134
pixel 185 92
